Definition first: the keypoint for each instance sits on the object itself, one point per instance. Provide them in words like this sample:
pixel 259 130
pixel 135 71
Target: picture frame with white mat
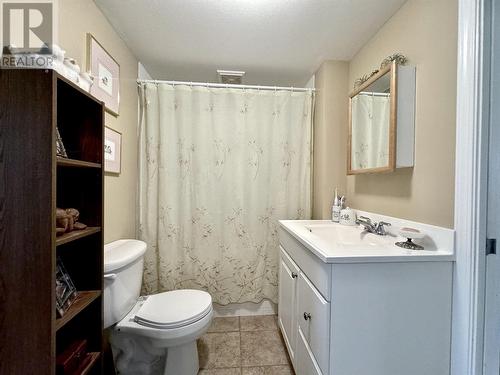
pixel 112 150
pixel 106 72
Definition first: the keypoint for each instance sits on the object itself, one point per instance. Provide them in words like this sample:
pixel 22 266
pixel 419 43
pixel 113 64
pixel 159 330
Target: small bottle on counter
pixel 348 216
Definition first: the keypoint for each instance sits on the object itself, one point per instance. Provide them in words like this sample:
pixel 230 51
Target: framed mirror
pixel 382 122
pixel 372 124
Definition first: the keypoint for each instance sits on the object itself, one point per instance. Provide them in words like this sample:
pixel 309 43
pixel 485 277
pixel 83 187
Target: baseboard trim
pixel 265 307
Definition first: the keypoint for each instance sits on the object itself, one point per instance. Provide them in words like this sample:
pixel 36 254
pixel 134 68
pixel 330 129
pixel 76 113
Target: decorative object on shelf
pixel 398 57
pixel 65 289
pixel 70 359
pixel 60 150
pixel 58 63
pixel 411 234
pixel 72 69
pixel 86 81
pixel 67 221
pixel 106 71
pixel 112 150
pixel 364 78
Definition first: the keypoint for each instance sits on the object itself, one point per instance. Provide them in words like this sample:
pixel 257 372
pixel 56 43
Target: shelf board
pixel 88 363
pixel 65 162
pixel 83 299
pixel 76 234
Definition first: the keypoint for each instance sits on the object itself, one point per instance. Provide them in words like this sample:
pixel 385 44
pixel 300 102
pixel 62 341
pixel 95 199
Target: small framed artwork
pixel 106 73
pixel 60 149
pixel 112 150
pixel 65 289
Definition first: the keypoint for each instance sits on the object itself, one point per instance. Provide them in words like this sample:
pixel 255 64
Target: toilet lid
pixel 174 309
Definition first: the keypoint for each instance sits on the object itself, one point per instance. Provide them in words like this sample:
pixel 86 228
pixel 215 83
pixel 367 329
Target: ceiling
pixel 277 42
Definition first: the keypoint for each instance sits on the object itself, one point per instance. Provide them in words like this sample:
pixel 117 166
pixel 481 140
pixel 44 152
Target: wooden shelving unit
pixel 34 182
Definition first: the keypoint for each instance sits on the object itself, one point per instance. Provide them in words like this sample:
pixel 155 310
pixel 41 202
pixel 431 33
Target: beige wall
pixel 426 32
pixel 330 135
pixel 76 18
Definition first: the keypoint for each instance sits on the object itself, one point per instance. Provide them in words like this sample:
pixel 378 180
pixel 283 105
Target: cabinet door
pixel 287 302
pixel 313 315
pixel 305 362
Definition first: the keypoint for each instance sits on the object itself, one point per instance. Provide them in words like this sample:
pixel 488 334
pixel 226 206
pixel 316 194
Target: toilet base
pixel 182 360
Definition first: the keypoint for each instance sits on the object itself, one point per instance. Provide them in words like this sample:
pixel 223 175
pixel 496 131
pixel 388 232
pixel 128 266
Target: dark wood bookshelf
pixel 33 103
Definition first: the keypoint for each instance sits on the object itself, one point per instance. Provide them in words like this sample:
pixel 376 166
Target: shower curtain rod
pixel 229 86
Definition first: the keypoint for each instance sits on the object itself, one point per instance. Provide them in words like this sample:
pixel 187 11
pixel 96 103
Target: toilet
pixel 155 334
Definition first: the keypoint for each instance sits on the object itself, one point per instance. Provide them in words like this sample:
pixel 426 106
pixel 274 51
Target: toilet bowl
pixel 155 334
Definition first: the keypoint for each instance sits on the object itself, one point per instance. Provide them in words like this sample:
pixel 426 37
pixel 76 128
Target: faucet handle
pixel 365 218
pixel 379 227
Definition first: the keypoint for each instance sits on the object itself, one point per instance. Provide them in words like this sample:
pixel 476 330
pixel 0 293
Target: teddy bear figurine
pixel 67 220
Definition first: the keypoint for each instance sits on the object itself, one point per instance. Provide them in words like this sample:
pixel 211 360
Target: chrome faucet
pixel 376 228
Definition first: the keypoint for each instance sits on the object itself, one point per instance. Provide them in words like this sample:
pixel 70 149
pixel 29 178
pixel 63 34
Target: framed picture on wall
pixel 106 72
pixel 65 289
pixel 112 150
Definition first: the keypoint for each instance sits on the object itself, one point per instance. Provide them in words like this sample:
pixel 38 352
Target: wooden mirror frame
pixel 392 68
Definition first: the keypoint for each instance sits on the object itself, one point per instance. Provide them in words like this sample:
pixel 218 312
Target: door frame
pixel 470 188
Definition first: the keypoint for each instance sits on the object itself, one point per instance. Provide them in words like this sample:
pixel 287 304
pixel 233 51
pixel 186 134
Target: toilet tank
pixel 123 268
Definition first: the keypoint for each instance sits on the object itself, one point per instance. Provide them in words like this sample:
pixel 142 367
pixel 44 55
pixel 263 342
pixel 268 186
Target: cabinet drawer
pixel 314 321
pixel 288 261
pixel 305 363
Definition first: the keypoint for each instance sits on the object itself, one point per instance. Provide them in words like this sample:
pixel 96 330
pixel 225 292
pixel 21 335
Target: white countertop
pixel 336 243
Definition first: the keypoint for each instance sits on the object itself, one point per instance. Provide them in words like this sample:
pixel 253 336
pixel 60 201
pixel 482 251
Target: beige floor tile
pixel 262 348
pixel 229 324
pixel 268 370
pixel 216 350
pixel 221 371
pixel 258 323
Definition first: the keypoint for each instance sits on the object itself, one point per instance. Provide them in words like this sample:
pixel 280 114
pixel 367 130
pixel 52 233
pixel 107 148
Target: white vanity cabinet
pixel 345 317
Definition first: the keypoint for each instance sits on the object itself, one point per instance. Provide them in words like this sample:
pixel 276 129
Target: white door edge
pixel 470 194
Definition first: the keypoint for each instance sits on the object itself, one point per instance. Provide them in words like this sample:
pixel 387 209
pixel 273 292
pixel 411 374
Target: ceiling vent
pixel 231 77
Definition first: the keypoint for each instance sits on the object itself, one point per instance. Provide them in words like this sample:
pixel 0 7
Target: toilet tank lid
pixel 118 254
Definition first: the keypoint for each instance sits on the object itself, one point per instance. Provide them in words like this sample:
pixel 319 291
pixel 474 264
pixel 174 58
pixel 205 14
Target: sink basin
pixel 347 237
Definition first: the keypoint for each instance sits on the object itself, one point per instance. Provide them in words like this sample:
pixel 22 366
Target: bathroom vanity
pixel 351 302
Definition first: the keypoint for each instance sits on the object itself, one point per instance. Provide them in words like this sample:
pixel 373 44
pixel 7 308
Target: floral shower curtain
pixel 218 168
pixel 370 137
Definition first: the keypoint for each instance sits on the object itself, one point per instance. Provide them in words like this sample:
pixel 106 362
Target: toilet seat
pixel 174 309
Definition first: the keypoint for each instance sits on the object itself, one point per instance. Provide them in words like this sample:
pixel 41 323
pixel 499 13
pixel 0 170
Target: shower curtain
pixel 370 136
pixel 218 168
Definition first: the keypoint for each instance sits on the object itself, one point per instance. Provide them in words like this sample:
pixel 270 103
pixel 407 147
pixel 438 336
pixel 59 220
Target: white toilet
pixel 153 334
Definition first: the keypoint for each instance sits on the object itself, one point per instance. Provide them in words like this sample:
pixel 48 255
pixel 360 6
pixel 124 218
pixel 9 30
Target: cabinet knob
pixel 307 316
pixel 294 275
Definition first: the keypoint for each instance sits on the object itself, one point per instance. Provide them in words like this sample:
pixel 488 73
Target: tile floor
pixel 246 345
